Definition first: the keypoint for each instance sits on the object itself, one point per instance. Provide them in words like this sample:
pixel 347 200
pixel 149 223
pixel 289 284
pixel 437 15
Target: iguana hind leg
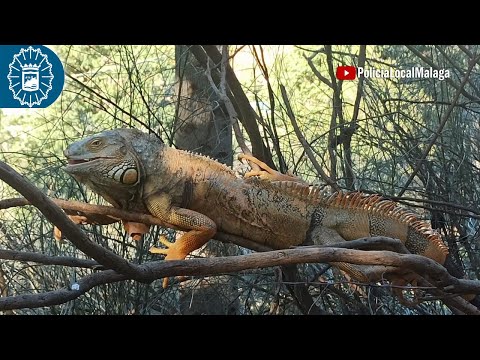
pixel 199 228
pixel 363 273
pixel 399 278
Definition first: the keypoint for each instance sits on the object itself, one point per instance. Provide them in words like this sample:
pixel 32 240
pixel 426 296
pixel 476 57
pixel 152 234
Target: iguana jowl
pixel 137 172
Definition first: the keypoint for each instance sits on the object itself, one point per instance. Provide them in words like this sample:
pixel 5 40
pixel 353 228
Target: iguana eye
pixel 96 142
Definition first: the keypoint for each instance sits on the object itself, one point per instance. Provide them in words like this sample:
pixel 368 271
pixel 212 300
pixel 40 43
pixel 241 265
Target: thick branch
pixel 221 265
pixel 369 243
pixel 214 266
pixel 221 92
pixel 60 296
pixel 364 243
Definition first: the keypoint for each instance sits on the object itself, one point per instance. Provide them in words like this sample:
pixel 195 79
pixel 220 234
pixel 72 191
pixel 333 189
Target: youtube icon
pixel 346 73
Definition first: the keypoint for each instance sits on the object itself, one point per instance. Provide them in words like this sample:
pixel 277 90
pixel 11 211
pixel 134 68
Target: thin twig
pixel 304 143
pixel 97 94
pixel 437 133
pixel 221 92
pixel 48 260
pixel 449 80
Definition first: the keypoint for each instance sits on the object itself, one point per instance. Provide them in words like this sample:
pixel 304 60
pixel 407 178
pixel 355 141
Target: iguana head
pixel 108 163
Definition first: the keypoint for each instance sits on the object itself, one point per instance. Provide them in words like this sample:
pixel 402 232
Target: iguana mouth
pixel 82 161
pixel 75 162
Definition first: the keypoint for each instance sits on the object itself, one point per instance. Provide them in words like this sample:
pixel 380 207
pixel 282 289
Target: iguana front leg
pixel 200 228
pixel 266 172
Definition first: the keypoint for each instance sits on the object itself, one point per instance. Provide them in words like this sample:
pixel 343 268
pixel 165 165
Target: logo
pixel 30 76
pixel 346 73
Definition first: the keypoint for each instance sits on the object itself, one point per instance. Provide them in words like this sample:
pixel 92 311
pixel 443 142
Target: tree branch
pixel 221 92
pixel 48 260
pixel 431 270
pixel 378 242
pixel 95 214
pixel 428 268
pixel 112 103
pixel 104 215
pixel 317 73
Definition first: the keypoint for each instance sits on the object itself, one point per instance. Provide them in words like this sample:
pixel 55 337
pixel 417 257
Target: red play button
pixel 346 73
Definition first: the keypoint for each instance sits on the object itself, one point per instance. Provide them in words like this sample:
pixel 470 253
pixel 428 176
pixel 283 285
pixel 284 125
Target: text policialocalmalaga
pixel 412 73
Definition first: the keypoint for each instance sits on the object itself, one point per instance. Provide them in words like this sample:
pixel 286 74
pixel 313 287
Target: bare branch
pixel 155 270
pixel 103 215
pixel 428 268
pixel 369 243
pixel 48 260
pixel 358 98
pixel 304 143
pixel 317 73
pixel 111 103
pixel 60 296
pixel 437 133
pixel 95 214
pixel 459 88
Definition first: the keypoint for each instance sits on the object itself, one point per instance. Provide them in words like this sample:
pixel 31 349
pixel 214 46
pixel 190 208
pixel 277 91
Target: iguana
pixel 135 171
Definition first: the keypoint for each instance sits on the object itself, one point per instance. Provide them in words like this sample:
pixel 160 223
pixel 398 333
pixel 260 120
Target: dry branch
pixel 222 265
pixel 48 260
pixel 103 215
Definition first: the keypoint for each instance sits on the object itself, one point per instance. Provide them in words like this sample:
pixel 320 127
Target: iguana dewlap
pixel 137 172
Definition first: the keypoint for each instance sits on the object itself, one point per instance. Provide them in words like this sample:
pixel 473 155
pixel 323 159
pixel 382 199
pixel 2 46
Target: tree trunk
pixel 202 126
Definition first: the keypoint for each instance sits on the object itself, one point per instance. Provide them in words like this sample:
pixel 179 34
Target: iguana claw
pixel 172 252
pixel 266 172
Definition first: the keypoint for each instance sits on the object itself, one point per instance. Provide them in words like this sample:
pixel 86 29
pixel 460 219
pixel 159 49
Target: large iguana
pixel 137 172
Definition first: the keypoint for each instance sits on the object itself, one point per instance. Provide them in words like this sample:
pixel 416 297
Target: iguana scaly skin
pixel 137 172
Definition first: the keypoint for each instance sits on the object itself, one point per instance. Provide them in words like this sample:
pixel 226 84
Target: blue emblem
pixel 34 73
pixel 30 76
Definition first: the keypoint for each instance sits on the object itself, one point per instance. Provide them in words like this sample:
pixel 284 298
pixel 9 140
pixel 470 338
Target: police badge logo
pixel 30 76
